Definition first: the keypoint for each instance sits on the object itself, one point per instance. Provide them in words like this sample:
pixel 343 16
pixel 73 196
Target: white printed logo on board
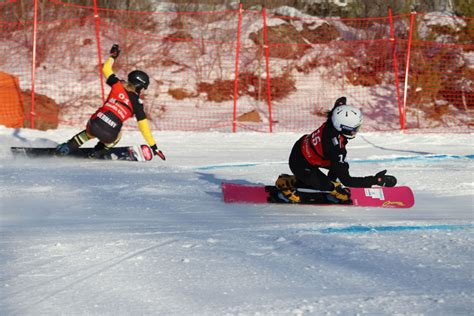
pixel 375 193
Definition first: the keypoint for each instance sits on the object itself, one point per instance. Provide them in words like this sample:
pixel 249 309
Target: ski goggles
pixel 348 131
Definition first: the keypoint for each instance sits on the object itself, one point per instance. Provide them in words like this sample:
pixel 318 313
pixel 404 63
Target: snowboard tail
pixel 128 153
pixel 388 197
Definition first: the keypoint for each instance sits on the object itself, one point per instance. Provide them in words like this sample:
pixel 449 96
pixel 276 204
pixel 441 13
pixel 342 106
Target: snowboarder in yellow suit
pixel 122 103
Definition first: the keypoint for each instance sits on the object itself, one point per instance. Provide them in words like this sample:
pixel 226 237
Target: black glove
pixel 384 180
pixel 114 51
pixel 340 101
pixel 158 152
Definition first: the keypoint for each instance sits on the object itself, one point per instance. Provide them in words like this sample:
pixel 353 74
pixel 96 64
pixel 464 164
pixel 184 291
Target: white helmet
pixel 346 120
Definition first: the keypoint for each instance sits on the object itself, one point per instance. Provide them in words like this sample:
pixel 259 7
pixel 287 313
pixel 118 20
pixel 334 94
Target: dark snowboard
pixel 129 153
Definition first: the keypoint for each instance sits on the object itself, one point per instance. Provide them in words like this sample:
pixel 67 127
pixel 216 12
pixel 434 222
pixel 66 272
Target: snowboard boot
pixel 100 150
pixel 340 194
pixel 286 185
pixel 62 149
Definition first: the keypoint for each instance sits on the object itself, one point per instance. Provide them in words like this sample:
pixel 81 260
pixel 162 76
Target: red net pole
pixel 395 66
pixel 236 80
pixel 99 49
pixel 267 69
pixel 33 65
pixel 407 71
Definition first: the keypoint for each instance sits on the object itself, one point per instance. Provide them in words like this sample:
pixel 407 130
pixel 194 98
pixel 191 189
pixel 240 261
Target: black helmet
pixel 139 79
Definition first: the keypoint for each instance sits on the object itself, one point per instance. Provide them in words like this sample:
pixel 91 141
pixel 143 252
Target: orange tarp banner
pixel 11 105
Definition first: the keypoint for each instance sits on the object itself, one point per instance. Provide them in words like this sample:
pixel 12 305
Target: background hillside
pixel 191 57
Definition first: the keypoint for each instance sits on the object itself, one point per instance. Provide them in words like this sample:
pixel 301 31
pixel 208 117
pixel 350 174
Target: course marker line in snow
pixel 379 229
pixel 413 158
pixel 375 160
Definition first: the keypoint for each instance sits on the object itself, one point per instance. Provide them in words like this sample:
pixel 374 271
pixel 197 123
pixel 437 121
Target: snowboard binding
pixel 288 190
pixel 286 185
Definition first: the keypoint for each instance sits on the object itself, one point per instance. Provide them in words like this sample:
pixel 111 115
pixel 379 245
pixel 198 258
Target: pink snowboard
pixel 395 197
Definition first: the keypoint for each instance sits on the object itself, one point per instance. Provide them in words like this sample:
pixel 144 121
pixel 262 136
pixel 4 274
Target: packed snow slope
pixel 82 237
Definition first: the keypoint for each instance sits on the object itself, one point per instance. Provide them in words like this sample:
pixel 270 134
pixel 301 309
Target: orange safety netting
pixel 11 109
pixel 245 70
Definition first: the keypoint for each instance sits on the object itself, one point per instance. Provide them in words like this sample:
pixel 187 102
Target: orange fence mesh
pixel 328 58
pixel 441 77
pixel 242 70
pixel 11 111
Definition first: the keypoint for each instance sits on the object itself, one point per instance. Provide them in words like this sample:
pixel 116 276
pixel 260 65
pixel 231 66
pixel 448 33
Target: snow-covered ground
pixel 121 238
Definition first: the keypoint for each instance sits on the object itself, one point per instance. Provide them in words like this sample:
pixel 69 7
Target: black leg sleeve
pixel 305 173
pixel 78 140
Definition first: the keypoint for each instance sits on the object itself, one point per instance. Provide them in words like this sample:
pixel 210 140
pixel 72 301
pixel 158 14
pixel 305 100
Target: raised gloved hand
pixel 158 152
pixel 114 51
pixel 384 180
pixel 340 101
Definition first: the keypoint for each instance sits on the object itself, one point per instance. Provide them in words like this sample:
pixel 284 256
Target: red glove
pixel 158 152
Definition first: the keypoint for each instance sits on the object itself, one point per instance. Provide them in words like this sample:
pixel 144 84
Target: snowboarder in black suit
pixel 325 148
